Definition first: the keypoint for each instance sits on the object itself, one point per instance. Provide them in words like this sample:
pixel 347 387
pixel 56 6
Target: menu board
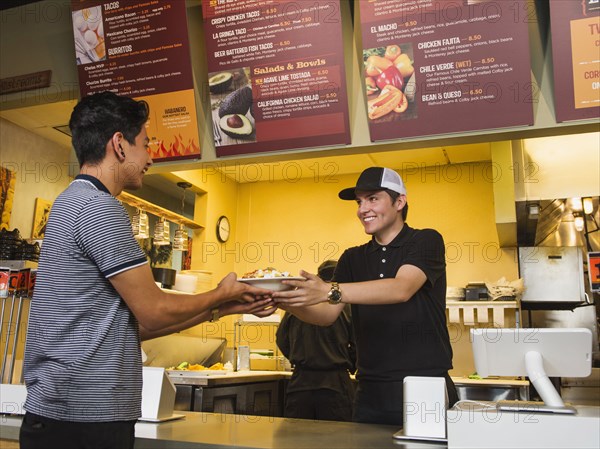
pixel 438 66
pixel 141 49
pixel 276 75
pixel 575 35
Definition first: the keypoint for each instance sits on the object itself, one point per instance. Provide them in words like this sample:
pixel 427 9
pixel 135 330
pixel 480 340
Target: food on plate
pixel 220 82
pixel 185 366
pixel 236 126
pixel 237 102
pixel 388 70
pixel 267 273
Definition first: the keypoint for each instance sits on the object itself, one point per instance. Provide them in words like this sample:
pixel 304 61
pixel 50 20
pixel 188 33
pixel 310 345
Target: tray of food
pixel 186 369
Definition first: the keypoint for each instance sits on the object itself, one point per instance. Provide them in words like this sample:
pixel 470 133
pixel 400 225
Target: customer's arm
pixel 156 309
pixel 260 308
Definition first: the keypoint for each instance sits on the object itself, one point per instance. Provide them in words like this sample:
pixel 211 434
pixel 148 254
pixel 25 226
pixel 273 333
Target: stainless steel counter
pixel 235 377
pixel 204 430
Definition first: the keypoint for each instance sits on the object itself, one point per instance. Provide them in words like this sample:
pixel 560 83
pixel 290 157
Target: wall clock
pixel 223 229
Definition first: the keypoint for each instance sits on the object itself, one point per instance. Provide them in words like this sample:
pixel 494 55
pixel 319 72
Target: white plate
pixel 273 284
pixel 195 373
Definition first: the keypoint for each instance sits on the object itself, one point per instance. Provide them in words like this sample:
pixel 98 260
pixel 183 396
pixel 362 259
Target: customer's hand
pixel 231 290
pixel 261 308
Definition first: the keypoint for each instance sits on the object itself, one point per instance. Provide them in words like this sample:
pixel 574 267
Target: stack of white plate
pixel 455 294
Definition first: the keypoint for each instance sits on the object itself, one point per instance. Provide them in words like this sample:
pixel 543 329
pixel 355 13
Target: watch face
pixel 334 296
pixel 223 229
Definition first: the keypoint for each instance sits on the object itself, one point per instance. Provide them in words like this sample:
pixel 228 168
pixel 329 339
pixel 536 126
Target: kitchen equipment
pixel 476 291
pixel 166 276
pixel 552 274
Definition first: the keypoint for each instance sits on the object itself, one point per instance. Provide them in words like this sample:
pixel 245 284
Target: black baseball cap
pixel 375 178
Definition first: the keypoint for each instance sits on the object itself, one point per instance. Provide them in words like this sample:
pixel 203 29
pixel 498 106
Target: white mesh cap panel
pixel 392 180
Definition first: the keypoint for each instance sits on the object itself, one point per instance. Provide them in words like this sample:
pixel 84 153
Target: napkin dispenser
pixel 476 291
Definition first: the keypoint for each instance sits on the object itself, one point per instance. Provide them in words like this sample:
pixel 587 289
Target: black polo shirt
pixel 404 339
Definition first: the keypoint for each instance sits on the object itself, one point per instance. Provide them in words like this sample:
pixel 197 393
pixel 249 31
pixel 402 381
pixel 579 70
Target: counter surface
pixel 204 430
pixel 235 377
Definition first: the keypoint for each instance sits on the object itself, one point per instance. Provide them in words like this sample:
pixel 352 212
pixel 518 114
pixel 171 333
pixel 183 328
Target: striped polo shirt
pixel 82 357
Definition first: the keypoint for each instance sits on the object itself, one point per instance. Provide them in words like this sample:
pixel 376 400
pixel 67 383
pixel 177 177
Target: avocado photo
pixel 237 102
pixel 220 82
pixel 237 126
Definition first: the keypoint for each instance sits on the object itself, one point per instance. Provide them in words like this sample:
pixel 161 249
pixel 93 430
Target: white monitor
pixel 536 353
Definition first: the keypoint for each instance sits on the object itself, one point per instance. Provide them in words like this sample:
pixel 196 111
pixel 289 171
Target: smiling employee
pixel 396 284
pixel 95 296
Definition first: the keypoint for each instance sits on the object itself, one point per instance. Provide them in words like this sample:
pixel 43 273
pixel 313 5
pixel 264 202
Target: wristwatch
pixel 335 294
pixel 214 315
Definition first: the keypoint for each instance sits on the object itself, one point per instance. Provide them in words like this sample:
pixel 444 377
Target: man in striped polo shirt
pixel 95 296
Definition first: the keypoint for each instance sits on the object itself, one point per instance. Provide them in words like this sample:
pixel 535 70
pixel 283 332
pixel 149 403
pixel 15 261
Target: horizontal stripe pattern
pixel 82 358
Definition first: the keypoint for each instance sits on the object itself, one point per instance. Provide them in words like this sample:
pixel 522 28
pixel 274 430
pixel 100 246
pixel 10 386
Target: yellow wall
pixel 42 171
pixel 296 225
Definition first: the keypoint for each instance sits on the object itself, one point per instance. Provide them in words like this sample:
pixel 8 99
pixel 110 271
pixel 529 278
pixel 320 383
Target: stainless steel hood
pixel 552 223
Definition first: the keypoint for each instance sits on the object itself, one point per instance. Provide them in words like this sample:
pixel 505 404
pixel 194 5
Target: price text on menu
pixel 141 49
pixel 439 66
pixel 276 75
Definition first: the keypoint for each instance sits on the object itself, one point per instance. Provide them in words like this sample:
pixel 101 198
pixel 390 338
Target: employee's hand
pixel 232 290
pixel 311 291
pixel 260 308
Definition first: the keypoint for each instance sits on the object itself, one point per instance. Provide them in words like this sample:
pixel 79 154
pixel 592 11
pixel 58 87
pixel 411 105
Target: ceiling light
pixel 180 240
pixel 588 206
pixel 579 223
pixel 162 233
pixel 576 204
pixel 534 211
pixel 140 226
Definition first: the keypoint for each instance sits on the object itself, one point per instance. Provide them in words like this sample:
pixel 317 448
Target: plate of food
pixel 269 279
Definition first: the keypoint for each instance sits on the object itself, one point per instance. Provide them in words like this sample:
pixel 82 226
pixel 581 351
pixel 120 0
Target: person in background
pixel 323 358
pixel 95 297
pixel 396 284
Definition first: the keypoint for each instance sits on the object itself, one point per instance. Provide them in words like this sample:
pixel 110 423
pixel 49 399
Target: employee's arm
pixel 308 299
pixel 156 309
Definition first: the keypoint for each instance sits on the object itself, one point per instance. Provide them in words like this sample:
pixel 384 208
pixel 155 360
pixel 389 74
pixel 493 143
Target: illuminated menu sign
pixel 575 35
pixel 438 66
pixel 276 75
pixel 140 49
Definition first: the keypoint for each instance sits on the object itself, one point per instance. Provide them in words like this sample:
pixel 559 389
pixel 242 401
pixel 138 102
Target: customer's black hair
pixel 97 117
pixel 395 196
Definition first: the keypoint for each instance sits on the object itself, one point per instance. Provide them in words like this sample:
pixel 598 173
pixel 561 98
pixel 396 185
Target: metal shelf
pixel 140 203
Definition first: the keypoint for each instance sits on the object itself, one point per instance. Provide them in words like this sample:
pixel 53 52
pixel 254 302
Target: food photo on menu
pixel 231 105
pixel 390 83
pixel 89 35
